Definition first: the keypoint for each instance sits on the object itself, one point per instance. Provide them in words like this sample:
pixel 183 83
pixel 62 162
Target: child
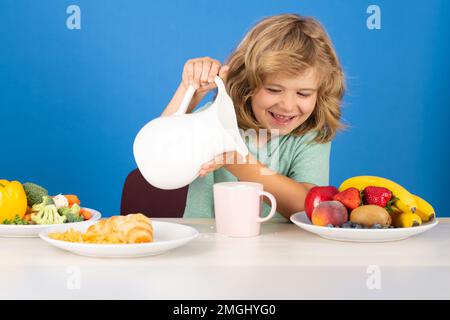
pixel 284 78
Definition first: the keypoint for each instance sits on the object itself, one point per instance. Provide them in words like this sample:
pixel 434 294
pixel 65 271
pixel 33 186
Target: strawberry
pixel 350 198
pixel 377 195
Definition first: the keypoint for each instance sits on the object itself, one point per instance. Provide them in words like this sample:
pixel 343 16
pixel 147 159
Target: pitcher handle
pixel 186 100
pixel 190 93
pixel 220 85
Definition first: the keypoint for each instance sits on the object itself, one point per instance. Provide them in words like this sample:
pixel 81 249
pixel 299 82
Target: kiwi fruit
pixel 369 215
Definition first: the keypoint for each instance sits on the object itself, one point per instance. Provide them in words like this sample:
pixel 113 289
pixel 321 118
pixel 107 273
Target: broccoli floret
pixel 64 211
pixel 34 193
pixel 46 214
pixel 72 214
pixel 71 217
pixel 17 220
pixel 46 200
pixel 76 208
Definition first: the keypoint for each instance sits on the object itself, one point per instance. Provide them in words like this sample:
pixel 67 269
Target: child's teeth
pixel 280 117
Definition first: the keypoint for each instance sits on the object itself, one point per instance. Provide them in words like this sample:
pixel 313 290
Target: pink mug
pixel 238 207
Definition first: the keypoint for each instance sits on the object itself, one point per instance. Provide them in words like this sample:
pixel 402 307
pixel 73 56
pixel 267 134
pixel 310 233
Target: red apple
pixel 317 195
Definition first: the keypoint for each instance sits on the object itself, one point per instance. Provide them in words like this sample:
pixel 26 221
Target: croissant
pixel 132 228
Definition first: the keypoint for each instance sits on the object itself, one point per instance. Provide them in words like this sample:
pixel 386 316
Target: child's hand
pixel 200 73
pixel 216 163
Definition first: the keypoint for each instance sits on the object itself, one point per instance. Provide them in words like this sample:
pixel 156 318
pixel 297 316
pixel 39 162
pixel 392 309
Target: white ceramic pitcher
pixel 169 151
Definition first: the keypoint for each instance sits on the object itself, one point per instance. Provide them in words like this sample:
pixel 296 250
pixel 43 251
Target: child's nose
pixel 290 102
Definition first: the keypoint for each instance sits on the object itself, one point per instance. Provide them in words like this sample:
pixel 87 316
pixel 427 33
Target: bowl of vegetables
pixel 26 209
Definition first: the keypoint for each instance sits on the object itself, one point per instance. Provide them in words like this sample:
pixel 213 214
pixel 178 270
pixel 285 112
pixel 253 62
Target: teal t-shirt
pixel 288 155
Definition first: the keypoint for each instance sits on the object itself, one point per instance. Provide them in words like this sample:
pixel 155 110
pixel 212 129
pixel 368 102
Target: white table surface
pixel 284 262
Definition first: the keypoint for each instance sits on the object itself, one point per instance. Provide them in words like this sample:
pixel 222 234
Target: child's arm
pixel 175 102
pixel 290 194
pixel 199 73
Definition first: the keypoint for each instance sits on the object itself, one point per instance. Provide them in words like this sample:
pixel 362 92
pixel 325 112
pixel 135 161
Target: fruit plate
pixel 360 235
pixel 167 236
pixel 32 230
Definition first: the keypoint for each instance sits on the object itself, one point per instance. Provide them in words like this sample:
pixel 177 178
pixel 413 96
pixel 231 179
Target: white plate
pixel 360 235
pixel 166 236
pixel 32 230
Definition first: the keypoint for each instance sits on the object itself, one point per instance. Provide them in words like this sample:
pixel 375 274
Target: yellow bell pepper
pixel 13 200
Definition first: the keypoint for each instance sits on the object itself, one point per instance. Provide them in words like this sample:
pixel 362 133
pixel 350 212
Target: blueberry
pixel 358 226
pixel 330 225
pixel 377 226
pixel 347 225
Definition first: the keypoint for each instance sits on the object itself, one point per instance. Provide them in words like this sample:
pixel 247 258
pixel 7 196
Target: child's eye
pixel 304 94
pixel 273 90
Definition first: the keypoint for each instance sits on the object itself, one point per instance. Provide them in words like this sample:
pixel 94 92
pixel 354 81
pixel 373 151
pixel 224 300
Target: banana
pixel 403 206
pixel 405 219
pixel 405 202
pixel 424 210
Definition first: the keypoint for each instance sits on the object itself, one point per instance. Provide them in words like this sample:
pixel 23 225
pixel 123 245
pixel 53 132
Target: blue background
pixel 72 101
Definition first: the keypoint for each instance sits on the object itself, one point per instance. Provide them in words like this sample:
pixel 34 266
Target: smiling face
pixel 285 102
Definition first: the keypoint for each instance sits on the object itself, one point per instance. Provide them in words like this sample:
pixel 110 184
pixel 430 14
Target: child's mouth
pixel 279 119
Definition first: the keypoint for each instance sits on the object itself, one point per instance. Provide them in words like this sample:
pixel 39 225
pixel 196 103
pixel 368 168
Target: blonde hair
pixel 288 44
